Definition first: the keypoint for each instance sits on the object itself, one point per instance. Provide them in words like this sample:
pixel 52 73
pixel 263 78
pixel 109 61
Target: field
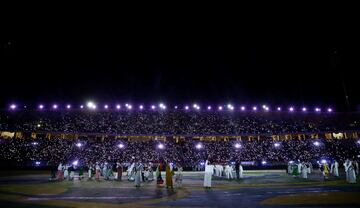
pixel 257 189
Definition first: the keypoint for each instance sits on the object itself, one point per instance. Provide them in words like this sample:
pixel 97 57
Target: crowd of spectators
pixel 177 122
pixel 188 152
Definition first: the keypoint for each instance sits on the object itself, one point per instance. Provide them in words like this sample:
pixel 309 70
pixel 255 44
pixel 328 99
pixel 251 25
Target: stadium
pixel 264 142
pixel 200 113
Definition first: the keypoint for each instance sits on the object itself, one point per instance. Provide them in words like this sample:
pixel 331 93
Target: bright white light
pixel 78 144
pixel 12 106
pixel 161 146
pixel 38 125
pixel 198 146
pixel 329 110
pixel 317 109
pixel 129 107
pixel 237 145
pixel 202 163
pixel 358 141
pixel 277 144
pixel 81 106
pixel 316 143
pixel 68 106
pixel 90 104
pixel 254 108
pixel 230 107
pixel 153 107
pixel 195 105
pixel 304 109
pixel 162 106
pixel 106 106
pixel 264 106
pixel 278 108
pixel 267 109
pixel 242 108
pixel 41 106
pixel 291 162
pixel 220 108
pixel 126 104
pixel 55 106
pixel 37 163
pixel 75 162
pixel 176 107
pixel 209 107
pixel 121 146
pixel 34 143
pixel 118 107
pixel 263 162
pixel 141 107
pixel 323 161
pixel 186 107
pixel 291 109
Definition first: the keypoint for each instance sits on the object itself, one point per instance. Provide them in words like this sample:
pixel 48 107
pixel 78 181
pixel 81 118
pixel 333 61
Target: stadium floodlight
pixel 267 108
pixel 230 107
pixel 68 106
pixel 195 105
pixel 78 144
pixel 106 106
pixel 161 146
pixel 118 107
pixel 176 107
pixel 37 163
pixel 277 144
pixel 264 106
pixel 209 107
pixel 329 110
pixel 242 108
pixel 316 143
pixel 279 108
pixel 237 145
pixel 12 106
pixel 186 107
pixel 153 107
pixel 41 106
pixel 199 146
pixel 291 109
pixel 220 108
pixel 76 162
pixel 81 106
pixel 91 105
pixel 304 109
pixel 254 108
pixel 129 107
pixel 317 110
pixel 55 106
pixel 263 162
pixel 141 107
pixel 121 146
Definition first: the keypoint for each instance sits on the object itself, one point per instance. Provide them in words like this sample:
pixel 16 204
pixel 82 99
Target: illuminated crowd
pixel 189 152
pixel 177 122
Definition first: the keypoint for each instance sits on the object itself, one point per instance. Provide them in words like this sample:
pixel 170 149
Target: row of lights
pixel 161 106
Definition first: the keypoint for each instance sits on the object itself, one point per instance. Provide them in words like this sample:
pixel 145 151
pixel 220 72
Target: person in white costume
pixel 209 169
pixel 241 171
pixel 304 171
pixel 228 172
pixel 335 168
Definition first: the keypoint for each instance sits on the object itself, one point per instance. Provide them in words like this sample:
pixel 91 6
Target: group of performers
pixel 139 172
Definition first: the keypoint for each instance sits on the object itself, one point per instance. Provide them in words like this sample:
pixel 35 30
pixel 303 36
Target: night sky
pixel 294 65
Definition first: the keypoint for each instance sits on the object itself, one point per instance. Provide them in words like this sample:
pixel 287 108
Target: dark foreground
pixel 258 189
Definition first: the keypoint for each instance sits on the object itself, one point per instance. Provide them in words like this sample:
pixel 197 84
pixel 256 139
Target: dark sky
pixel 276 64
